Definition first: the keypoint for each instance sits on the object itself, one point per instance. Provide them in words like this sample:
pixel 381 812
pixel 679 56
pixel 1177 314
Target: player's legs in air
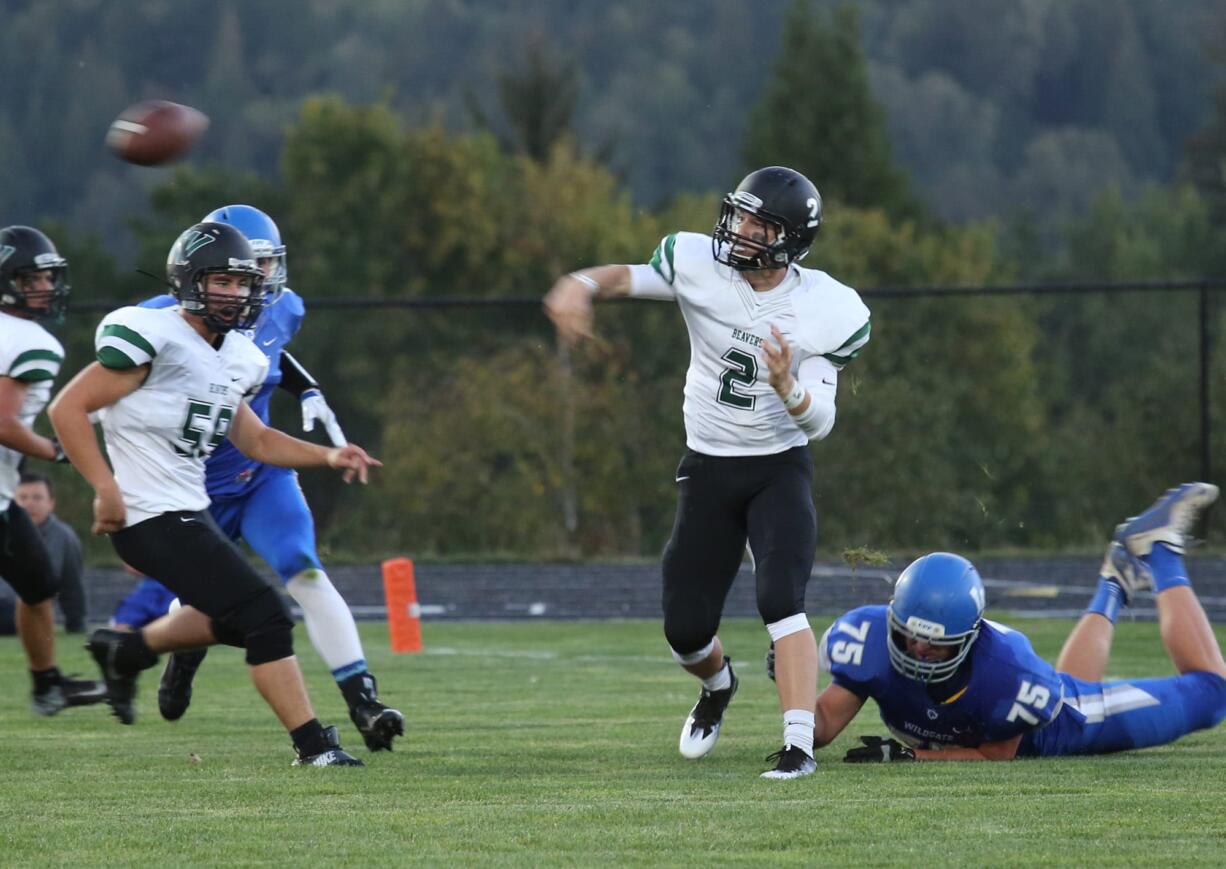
pixel 274 520
pixel 1137 713
pixel 25 564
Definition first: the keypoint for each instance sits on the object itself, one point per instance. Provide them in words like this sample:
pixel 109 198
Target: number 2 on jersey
pixel 744 371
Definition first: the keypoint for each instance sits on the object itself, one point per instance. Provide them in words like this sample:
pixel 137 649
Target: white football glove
pixel 315 409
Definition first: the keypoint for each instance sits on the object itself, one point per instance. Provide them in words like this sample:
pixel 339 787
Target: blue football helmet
pixel 939 601
pixel 265 239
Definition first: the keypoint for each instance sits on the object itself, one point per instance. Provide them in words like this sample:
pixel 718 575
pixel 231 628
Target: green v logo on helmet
pixel 193 240
pixel 6 251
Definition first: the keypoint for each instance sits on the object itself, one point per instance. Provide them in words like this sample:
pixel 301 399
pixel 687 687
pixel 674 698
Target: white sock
pixel 722 681
pixel 798 729
pixel 329 624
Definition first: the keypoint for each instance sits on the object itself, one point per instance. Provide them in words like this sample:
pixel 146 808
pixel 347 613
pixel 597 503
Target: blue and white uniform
pixel 1005 690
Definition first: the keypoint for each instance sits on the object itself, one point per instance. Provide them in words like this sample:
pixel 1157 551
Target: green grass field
pixel 555 744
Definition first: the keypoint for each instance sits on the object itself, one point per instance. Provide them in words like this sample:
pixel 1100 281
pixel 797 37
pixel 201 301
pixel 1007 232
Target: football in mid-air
pixel 155 132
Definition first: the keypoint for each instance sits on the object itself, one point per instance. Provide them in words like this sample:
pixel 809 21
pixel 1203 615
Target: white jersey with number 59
pixel 159 436
pixel 730 407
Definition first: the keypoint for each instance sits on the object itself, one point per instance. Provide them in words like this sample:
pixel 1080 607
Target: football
pixel 156 131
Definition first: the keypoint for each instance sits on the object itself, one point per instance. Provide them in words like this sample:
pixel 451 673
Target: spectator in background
pixel 36 495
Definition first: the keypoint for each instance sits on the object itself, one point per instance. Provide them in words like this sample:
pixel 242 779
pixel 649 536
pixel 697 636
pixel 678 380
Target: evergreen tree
pixel 819 117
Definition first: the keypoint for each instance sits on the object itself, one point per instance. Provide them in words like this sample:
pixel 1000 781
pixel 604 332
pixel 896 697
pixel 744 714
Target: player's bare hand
pixel 569 305
pixel 778 359
pixel 109 510
pixel 354 461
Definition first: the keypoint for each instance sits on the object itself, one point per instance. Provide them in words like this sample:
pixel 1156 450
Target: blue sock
pixel 1168 568
pixel 1107 600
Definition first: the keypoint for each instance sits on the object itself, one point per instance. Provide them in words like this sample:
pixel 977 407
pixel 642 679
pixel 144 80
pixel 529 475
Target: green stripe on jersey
pixel 662 259
pixel 857 340
pixel 35 365
pixel 35 375
pixel 116 330
pixel 850 348
pixel 110 357
pixel 31 355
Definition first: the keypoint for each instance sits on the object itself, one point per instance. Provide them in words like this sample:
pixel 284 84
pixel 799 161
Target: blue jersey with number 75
pixel 1003 690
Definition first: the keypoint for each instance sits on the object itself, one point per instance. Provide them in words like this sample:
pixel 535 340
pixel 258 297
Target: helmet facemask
pixel 914 667
pixel 223 312
pixel 276 277
pixel 746 253
pixel 40 303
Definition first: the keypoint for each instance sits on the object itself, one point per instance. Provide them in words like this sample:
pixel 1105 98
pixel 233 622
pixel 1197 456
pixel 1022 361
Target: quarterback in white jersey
pixel 767 340
pixel 172 382
pixel 33 287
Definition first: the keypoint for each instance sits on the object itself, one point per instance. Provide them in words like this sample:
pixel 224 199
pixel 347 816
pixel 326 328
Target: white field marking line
pixel 1020 584
pixel 544 655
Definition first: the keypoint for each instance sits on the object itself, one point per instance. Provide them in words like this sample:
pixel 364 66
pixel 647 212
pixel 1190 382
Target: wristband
pixel 796 397
pixel 588 282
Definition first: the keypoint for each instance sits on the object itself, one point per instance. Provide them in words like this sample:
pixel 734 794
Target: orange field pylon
pixel 403 611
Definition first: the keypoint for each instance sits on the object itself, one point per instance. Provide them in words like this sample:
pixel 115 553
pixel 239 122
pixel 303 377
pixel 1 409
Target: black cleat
pixel 790 762
pixel 175 689
pixel 50 701
pixel 82 692
pixel 378 723
pixel 701 728
pixel 333 755
pixel 120 689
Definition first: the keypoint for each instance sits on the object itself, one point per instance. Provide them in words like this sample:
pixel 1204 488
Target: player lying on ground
pixel 173 384
pixel 33 287
pixel 263 505
pixel 952 685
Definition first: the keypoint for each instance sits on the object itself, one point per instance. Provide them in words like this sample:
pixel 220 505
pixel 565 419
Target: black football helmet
pixel 24 252
pixel 215 248
pixel 780 196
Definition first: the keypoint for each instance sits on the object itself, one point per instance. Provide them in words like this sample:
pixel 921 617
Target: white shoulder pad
pixel 832 321
pixel 683 253
pixel 28 352
pixel 132 336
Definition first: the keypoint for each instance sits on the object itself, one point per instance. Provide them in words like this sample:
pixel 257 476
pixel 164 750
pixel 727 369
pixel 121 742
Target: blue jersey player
pixel 264 506
pixel 952 685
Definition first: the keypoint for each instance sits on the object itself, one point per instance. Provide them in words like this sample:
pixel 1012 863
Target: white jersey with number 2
pixel 730 408
pixel 159 436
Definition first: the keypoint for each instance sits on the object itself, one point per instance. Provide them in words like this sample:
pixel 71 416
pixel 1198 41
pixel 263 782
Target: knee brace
pixel 266 628
pixel 785 627
pixel 691 658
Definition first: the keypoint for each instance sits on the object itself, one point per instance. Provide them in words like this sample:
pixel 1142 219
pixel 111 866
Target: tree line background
pixel 451 151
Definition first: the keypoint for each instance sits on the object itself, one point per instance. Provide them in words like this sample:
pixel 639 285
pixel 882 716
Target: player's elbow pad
pixel 817 419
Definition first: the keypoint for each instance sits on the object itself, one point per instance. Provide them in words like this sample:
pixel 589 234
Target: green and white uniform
pixel 159 436
pixel 730 408
pixel 32 355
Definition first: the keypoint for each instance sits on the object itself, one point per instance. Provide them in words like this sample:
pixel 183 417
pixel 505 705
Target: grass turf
pixel 555 744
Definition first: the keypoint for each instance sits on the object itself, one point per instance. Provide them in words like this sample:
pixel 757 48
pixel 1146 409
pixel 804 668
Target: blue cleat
pixel 1129 572
pixel 1168 521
